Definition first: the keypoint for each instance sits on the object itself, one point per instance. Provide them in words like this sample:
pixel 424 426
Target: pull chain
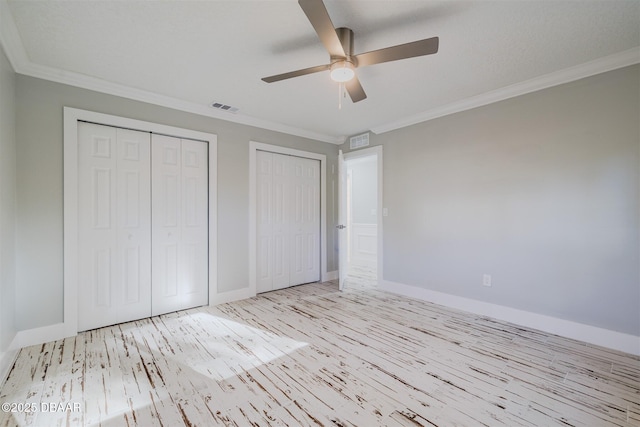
pixel 340 94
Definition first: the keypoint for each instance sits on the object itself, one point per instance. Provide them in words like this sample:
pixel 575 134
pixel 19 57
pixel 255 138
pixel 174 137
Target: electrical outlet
pixel 486 280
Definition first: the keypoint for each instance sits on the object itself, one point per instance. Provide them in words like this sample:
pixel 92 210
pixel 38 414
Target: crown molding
pixel 14 49
pixel 591 68
pixel 99 85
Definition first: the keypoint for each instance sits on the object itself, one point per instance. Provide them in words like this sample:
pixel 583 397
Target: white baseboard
pixel 59 331
pixel 330 275
pixel 566 328
pixel 7 359
pixel 43 334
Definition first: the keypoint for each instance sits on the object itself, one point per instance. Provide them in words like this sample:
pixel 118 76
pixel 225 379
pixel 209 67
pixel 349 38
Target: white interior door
pixel 114 225
pixel 342 221
pixel 366 237
pixel 287 222
pixel 179 224
pixel 362 209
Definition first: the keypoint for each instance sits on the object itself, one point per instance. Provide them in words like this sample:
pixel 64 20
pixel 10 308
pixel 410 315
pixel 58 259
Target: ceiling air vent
pixel 225 107
pixel 359 141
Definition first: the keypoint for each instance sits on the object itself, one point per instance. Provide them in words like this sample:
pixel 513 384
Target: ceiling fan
pixel 343 62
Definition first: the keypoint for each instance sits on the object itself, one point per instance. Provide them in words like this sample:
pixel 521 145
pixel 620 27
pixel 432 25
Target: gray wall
pixel 541 191
pixel 39 187
pixel 364 185
pixel 7 203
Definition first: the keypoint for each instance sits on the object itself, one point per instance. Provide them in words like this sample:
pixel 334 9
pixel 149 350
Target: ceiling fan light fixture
pixel 338 42
pixel 342 71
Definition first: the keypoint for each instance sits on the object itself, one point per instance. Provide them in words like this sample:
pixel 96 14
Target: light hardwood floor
pixel 311 355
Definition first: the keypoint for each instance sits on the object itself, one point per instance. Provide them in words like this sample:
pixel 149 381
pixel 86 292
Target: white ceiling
pixel 187 54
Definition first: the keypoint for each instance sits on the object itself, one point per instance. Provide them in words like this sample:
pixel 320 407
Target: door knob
pixel 341 226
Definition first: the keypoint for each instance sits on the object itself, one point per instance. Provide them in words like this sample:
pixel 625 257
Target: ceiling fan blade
pixel 402 51
pixel 356 92
pixel 297 73
pixel 319 17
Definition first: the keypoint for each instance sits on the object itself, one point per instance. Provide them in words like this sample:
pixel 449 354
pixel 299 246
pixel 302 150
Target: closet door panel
pixel 305 223
pixel 194 228
pixel 165 178
pixel 273 226
pixel 280 221
pixel 179 224
pixel 134 218
pixel 264 226
pixel 114 226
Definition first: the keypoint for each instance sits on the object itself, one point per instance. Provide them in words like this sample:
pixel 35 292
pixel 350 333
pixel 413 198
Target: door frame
pixel 259 146
pixel 367 152
pixel 70 199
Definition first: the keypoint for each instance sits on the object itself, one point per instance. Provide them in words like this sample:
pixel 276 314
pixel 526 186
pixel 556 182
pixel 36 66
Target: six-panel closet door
pixel 273 216
pixel 143 225
pixel 179 224
pixel 288 221
pixel 305 220
pixel 114 192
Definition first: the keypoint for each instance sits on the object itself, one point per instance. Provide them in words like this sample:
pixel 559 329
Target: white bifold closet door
pixel 143 230
pixel 114 205
pixel 179 224
pixel 288 221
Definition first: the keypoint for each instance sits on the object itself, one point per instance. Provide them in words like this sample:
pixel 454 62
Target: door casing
pixel 72 116
pixel 253 148
pixel 288 221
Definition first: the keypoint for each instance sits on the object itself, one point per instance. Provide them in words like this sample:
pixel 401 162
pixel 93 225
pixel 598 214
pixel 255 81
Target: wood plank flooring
pixel 314 356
